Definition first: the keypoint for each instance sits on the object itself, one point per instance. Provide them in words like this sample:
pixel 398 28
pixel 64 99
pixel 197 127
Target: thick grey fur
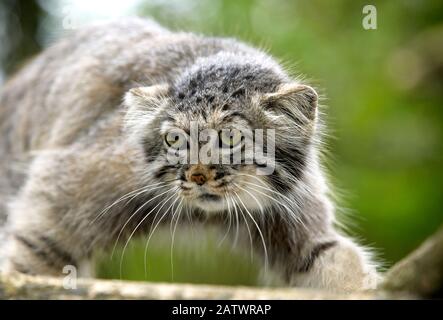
pixel 75 138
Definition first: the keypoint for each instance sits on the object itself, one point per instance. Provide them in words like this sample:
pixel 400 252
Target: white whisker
pixel 247 227
pixel 294 216
pixel 230 221
pixel 138 225
pixel 137 192
pixel 132 216
pixel 234 205
pixel 255 198
pixel 179 209
pixel 259 231
pixel 152 231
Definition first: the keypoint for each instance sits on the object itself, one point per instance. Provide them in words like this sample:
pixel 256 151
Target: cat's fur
pixel 81 126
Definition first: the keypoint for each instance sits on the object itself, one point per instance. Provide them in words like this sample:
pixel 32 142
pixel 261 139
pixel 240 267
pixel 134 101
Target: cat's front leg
pixel 57 218
pixel 38 241
pixel 337 265
pixel 315 257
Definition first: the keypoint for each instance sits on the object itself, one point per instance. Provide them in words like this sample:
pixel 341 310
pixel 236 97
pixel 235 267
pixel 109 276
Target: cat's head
pixel 201 135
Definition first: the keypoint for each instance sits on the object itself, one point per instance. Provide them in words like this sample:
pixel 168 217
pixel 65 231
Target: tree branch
pixel 418 275
pixel 421 272
pixel 20 286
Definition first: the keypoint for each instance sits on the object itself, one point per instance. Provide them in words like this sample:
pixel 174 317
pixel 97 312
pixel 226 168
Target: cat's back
pixel 59 94
pixel 66 88
pixel 73 79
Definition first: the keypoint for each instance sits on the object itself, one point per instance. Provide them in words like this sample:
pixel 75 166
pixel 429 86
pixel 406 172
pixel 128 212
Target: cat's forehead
pixel 217 119
pixel 221 95
pixel 216 84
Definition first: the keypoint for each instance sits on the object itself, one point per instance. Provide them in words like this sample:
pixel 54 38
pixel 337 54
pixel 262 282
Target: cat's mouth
pixel 211 201
pixel 201 193
pixel 204 199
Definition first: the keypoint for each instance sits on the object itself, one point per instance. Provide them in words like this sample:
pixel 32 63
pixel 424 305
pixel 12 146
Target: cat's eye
pixel 230 138
pixel 175 140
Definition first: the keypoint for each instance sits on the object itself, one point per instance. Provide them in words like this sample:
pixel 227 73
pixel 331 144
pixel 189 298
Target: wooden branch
pixel 421 272
pixel 20 286
pixel 418 275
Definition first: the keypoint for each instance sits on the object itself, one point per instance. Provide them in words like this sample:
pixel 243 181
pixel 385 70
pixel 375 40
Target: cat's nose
pixel 198 178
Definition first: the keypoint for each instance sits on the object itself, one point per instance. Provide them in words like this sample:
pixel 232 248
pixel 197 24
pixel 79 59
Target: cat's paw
pixel 344 267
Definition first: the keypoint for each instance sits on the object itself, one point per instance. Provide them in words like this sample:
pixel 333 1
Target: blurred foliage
pixel 382 95
pixel 198 255
pixel 19 23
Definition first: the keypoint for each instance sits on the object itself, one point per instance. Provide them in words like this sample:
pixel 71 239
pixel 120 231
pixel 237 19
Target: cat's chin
pixel 210 205
pixel 206 201
pixel 213 203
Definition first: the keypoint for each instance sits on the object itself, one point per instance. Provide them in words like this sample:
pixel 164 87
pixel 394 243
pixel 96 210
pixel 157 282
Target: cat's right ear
pixel 295 100
pixel 143 104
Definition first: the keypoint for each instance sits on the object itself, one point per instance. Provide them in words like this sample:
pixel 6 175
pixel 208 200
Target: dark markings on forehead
pixel 214 83
pixel 238 93
pixel 209 98
pixel 206 114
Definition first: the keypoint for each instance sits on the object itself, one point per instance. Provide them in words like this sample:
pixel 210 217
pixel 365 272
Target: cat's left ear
pixel 295 100
pixel 145 98
pixel 143 104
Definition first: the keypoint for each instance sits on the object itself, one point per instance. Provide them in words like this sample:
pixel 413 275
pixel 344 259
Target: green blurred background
pixel 382 90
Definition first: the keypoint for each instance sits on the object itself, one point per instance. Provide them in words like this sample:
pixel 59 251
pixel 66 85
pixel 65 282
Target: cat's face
pixel 207 151
pixel 222 152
